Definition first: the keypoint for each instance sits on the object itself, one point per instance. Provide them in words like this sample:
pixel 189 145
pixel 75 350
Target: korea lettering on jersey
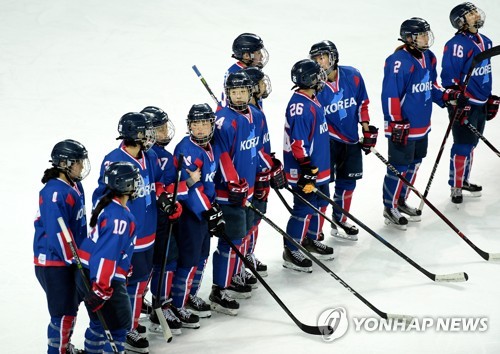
pixel 107 252
pixel 169 174
pixel 457 58
pixel 345 102
pixel 58 199
pixel 262 131
pixel 201 195
pixel 239 142
pixel 408 91
pixel 144 207
pixel 306 135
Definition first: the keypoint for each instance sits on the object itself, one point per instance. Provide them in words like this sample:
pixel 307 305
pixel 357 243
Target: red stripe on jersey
pixel 227 168
pixel 395 108
pixel 145 241
pixel 49 263
pixel 203 198
pixel 356 81
pixel 199 163
pixel 105 273
pixel 412 69
pixel 40 200
pixel 363 111
pixel 298 150
pixel 70 200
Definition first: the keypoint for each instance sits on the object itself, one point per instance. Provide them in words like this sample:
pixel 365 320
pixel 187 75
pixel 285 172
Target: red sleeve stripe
pixel 203 198
pixel 145 242
pixel 268 161
pixel 394 105
pixel 105 273
pixel 298 150
pixel 227 168
pixel 363 111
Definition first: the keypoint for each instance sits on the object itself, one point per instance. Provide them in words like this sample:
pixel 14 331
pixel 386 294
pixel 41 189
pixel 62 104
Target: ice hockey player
pixel 164 132
pixel 306 154
pixel 138 136
pixel 237 138
pixel 345 101
pixel 61 196
pixel 106 256
pixel 459 51
pixel 249 51
pixel 274 177
pixel 201 216
pixel 408 90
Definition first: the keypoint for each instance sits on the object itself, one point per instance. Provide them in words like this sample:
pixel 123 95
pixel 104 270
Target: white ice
pixel 71 69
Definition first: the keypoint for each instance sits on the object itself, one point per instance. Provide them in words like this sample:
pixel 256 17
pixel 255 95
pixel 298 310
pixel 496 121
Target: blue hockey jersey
pixel 457 58
pixel 107 252
pixel 408 90
pixel 144 207
pixel 201 195
pixel 306 135
pixel 58 199
pixel 345 102
pixel 169 173
pixel 237 136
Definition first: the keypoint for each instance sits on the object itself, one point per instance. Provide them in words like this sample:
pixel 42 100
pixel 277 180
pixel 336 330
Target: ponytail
pixel 50 173
pixel 103 202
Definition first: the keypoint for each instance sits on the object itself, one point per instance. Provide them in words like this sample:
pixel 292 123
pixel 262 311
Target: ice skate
pixel 173 322
pixel 350 232
pixel 250 279
pixel 188 319
pixel 221 302
pixel 413 213
pixel 318 249
pixel 295 260
pixel 393 217
pixel 456 196
pixel 473 189
pixel 258 265
pixel 238 288
pixel 198 306
pixel 136 343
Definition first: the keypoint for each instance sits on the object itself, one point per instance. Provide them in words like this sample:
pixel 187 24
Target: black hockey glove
pixel 278 177
pixel 308 176
pixel 369 139
pixel 262 186
pixel 238 192
pixel 165 203
pixel 215 219
pixel 400 132
pixel 96 297
pixel 492 107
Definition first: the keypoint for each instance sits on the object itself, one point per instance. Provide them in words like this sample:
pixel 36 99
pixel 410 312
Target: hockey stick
pixel 481 136
pixel 167 333
pixel 315 330
pixel 86 282
pixel 477 59
pixel 485 255
pixel 454 277
pixel 204 82
pixel 384 315
pixel 283 200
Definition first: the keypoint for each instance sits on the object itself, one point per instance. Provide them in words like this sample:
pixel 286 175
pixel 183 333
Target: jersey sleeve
pixel 225 135
pixel 393 88
pixel 452 64
pixel 361 98
pixel 301 130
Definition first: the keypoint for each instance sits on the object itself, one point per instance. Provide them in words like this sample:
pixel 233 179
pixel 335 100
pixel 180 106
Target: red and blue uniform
pixel 345 102
pixel 107 255
pixel 305 137
pixel 408 90
pixel 53 258
pixel 457 58
pixel 194 240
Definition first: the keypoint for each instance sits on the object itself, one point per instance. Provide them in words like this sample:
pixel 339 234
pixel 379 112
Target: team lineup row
pixel 154 212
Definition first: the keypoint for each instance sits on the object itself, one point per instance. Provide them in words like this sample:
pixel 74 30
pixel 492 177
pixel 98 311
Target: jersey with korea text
pixel 144 207
pixel 457 58
pixel 237 138
pixel 408 91
pixel 264 147
pixel 306 135
pixel 201 195
pixel 58 199
pixel 107 252
pixel 345 102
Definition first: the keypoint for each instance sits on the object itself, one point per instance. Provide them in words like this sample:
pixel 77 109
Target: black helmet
pixel 307 74
pixel 257 75
pixel 326 47
pixel 457 16
pixel 123 178
pixel 200 113
pixel 411 28
pixel 250 43
pixel 160 121
pixel 138 128
pixel 67 152
pixel 239 79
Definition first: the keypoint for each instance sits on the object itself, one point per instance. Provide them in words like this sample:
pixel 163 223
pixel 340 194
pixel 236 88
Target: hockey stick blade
pixel 405 319
pixel 495 257
pixel 167 333
pixel 315 330
pixel 454 277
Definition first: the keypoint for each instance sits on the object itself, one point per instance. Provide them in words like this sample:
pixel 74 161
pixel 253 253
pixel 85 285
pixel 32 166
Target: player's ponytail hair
pixel 50 173
pixel 103 202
